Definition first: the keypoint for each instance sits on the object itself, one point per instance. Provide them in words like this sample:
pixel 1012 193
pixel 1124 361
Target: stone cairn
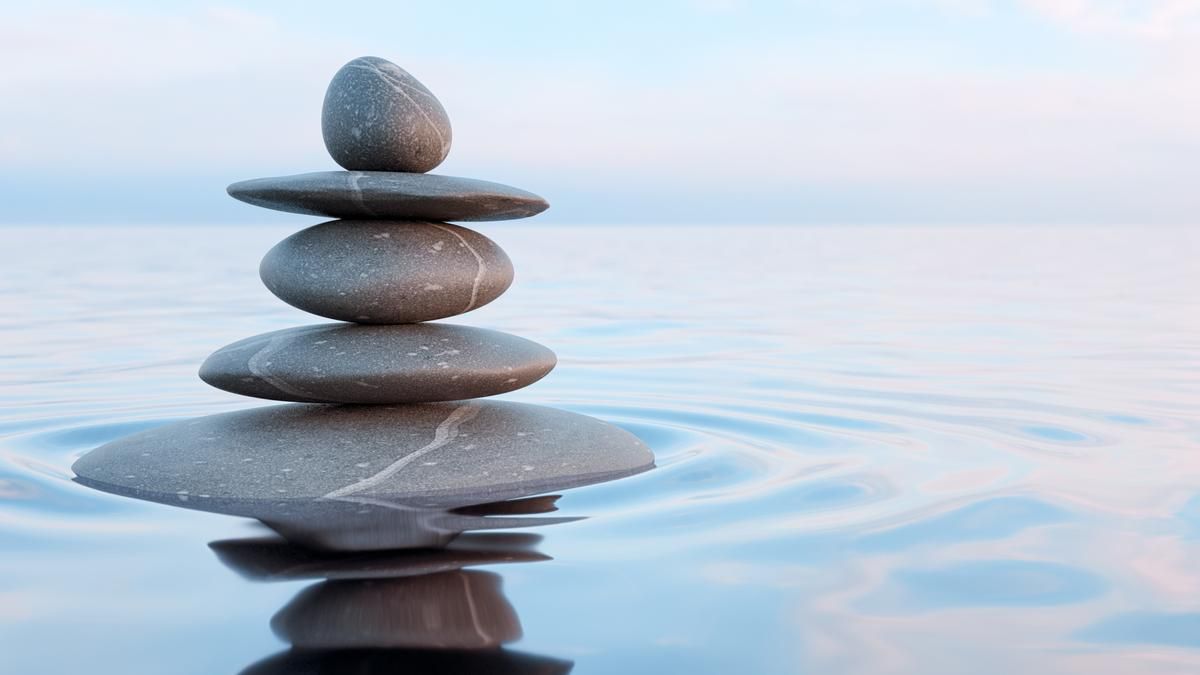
pixel 417 466
pixel 391 263
pixel 390 470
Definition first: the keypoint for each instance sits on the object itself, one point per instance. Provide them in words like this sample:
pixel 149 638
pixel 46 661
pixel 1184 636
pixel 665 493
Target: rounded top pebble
pixel 378 117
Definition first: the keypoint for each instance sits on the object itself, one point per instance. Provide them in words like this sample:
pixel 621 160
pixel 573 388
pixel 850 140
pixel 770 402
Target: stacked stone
pixel 395 474
pixel 391 262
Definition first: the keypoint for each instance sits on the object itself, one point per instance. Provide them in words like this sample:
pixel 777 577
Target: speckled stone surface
pixel 349 363
pixel 270 461
pixel 386 272
pixel 449 610
pixel 274 559
pixel 389 194
pixel 378 117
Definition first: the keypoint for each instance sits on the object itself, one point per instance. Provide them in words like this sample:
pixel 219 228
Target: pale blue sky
pixel 808 111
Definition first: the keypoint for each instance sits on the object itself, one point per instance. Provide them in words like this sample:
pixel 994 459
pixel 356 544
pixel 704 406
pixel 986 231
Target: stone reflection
pixel 411 611
pixel 379 525
pixel 274 559
pixel 458 610
pixel 409 662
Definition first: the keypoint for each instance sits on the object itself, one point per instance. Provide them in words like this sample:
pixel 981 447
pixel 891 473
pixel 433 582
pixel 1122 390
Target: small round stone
pixel 386 272
pixel 378 117
pixel 389 194
pixel 347 363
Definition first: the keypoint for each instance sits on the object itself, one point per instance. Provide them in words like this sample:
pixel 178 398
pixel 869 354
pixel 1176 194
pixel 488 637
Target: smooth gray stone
pixel 378 117
pixel 349 363
pixel 366 477
pixel 448 610
pixel 389 194
pixel 386 272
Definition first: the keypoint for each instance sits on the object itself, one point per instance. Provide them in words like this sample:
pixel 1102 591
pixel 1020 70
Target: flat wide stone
pixel 386 272
pixel 367 477
pixel 389 194
pixel 348 363
pixel 378 117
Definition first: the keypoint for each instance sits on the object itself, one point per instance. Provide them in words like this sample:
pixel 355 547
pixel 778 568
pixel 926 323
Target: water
pixel 880 450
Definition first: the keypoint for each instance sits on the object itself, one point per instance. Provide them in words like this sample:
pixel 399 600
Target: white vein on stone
pixel 445 432
pixel 393 81
pixel 474 611
pixel 480 270
pixel 394 71
pixel 257 364
pixel 356 192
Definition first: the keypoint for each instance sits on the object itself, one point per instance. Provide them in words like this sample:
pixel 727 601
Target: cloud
pixel 114 47
pixel 1147 19
pixel 101 89
pixel 220 90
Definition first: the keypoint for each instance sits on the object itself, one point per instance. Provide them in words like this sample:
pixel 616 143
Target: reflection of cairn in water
pixel 275 559
pixel 454 610
pixel 397 611
pixel 387 472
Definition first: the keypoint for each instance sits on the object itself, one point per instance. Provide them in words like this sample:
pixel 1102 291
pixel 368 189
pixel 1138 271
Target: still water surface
pixel 879 450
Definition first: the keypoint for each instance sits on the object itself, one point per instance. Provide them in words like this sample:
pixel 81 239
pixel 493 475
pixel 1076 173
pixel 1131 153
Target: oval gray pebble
pixel 389 194
pixel 347 363
pixel 386 272
pixel 378 117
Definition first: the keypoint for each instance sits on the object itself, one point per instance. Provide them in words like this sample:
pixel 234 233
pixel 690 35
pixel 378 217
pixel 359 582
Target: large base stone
pixel 368 477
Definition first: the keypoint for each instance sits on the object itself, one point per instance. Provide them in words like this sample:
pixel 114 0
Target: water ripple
pixel 857 435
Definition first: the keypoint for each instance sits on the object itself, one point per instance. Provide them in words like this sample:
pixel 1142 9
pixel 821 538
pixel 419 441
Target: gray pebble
pixel 348 363
pixel 389 194
pixel 378 117
pixel 386 272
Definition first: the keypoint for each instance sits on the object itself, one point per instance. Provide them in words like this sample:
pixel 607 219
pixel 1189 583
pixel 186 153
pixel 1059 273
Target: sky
pixel 683 111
